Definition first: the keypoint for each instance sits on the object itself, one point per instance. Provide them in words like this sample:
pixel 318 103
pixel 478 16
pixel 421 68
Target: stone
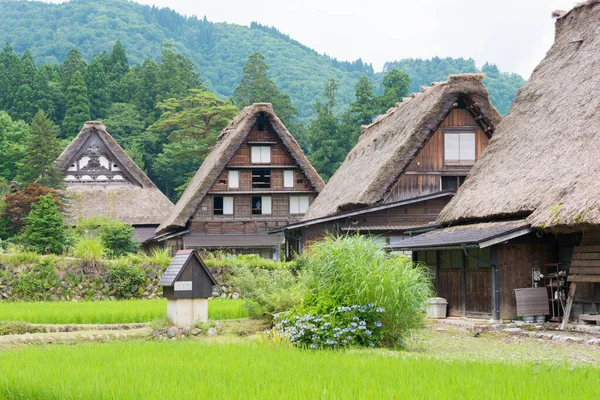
pixel 212 332
pixel 152 275
pixel 149 288
pixel 513 331
pixel 215 294
pixel 186 331
pixel 593 342
pixel 4 295
pixel 195 332
pixel 172 332
pixel 235 296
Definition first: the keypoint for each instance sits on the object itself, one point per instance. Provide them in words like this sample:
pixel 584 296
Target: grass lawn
pixel 250 370
pixel 107 312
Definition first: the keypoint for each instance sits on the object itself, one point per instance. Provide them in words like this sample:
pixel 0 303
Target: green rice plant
pixel 355 270
pixel 108 312
pixel 158 256
pixel 190 369
pixel 89 249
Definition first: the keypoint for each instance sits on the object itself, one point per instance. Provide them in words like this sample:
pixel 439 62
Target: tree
pixel 44 231
pixel 78 108
pixel 117 237
pixel 194 123
pixel 395 87
pixel 13 144
pixel 43 92
pixel 328 147
pixel 43 148
pixel 256 87
pixel 17 205
pixel 73 63
pixel 361 112
pixel 125 124
pixel 97 88
pixel 116 66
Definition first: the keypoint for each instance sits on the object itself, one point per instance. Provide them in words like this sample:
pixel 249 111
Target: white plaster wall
pixel 186 312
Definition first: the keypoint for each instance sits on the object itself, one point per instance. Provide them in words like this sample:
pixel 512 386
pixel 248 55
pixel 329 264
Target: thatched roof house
pixel 228 143
pixel 388 145
pixel 542 163
pixel 102 180
pixel 537 176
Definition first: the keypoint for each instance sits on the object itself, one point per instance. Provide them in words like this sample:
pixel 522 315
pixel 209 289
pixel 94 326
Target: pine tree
pixel 395 87
pixel 73 63
pixel 97 86
pixel 256 87
pixel 43 93
pixel 116 67
pixel 43 148
pixel 44 231
pixel 78 108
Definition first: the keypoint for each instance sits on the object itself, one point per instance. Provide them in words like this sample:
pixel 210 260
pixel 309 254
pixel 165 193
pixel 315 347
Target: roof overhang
pixel 365 210
pixel 467 236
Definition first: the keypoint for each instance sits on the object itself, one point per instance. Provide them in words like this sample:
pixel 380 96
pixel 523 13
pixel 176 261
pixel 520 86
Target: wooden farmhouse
pixel 406 166
pixel 255 179
pixel 102 180
pixel 533 199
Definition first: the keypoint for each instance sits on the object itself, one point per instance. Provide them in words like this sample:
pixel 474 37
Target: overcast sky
pixel 513 34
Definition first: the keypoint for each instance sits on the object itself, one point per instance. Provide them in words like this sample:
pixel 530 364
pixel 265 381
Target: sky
pixel 513 34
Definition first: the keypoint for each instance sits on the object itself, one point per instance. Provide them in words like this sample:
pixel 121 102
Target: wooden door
pixel 450 288
pixel 478 291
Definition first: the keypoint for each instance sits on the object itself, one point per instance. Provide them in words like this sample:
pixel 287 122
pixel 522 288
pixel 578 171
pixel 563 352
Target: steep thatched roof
pixel 135 201
pixel 388 145
pixel 229 141
pixel 543 161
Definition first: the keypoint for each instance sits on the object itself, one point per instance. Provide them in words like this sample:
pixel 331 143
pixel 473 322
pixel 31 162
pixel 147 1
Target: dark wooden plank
pixel 585 263
pixel 585 270
pixel 584 278
pixel 586 256
pixel 586 249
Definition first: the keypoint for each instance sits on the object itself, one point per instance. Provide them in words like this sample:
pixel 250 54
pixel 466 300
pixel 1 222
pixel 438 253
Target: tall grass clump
pixel 267 291
pixel 158 256
pixel 354 270
pixel 89 249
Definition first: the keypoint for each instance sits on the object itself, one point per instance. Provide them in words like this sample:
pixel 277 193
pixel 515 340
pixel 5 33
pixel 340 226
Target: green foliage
pixel 44 227
pixel 251 261
pixel 33 284
pixel 125 278
pixel 18 328
pixel 117 238
pixel 267 291
pixel 354 270
pixel 13 144
pixel 78 108
pixel 89 249
pixel 159 256
pixel 395 87
pixel 43 148
pixel 256 87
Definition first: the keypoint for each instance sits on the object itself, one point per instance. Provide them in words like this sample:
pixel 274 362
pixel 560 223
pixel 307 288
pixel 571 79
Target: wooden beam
pixel 569 306
pixel 586 256
pixel 585 263
pixel 584 269
pixel 584 278
pixel 586 249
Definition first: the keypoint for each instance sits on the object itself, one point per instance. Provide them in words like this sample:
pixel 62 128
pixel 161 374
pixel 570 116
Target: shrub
pixel 159 256
pixel 267 291
pixel 125 279
pixel 356 325
pixel 18 205
pixel 45 229
pixel 354 270
pixel 219 259
pixel 89 249
pixel 117 237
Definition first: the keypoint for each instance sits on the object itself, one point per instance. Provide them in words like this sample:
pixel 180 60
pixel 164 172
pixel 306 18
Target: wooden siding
pixel 242 221
pixel 423 174
pixel 515 261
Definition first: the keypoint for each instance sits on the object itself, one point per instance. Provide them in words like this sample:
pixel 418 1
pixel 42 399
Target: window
pixel 261 122
pixel 261 179
pixel 459 148
pixel 288 178
pixel 452 182
pixel 223 205
pixel 261 205
pixel 299 204
pixel 234 179
pixel 261 154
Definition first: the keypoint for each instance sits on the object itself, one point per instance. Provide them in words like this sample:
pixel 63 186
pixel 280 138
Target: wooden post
pixel 569 305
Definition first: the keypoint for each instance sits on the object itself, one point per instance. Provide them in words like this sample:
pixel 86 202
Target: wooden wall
pixel 423 175
pixel 242 221
pixel 515 261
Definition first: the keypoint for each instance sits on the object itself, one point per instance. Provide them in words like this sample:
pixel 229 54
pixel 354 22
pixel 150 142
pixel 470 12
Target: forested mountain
pixel 502 86
pixel 219 50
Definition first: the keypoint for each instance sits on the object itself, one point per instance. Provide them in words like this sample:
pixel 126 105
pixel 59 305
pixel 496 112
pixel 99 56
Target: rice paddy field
pixel 256 370
pixel 107 312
